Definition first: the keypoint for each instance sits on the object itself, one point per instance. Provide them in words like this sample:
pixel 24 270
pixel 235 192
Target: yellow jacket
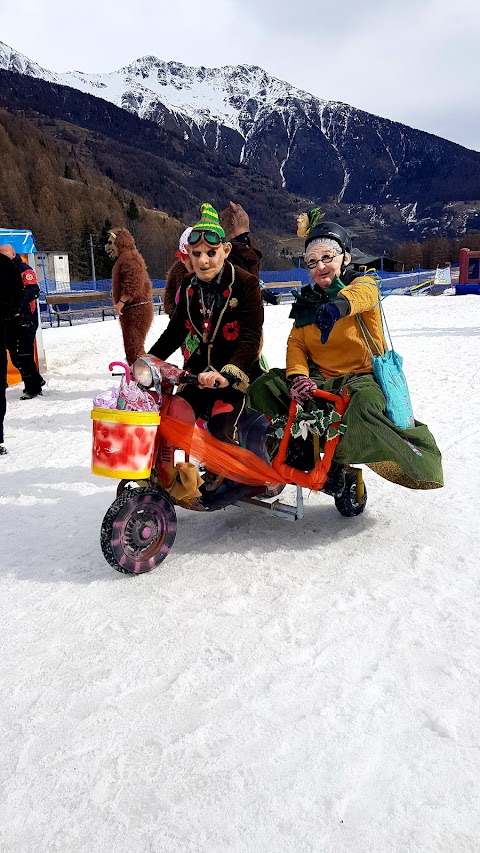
pixel 345 350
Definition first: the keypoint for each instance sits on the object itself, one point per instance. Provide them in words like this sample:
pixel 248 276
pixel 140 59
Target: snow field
pixel 294 688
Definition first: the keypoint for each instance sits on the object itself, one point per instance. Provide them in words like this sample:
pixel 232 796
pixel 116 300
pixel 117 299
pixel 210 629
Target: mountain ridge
pixel 354 164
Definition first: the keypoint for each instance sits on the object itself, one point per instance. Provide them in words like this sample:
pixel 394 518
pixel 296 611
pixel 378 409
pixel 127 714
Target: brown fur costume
pixel 175 276
pixel 130 281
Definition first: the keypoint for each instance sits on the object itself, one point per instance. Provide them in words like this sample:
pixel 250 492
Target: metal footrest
pixel 274 506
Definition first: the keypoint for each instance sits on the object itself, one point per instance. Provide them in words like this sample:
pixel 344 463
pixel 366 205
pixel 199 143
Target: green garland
pixel 311 421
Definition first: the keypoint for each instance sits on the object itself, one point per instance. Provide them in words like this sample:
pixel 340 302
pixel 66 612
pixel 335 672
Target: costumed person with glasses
pixel 244 254
pixel 218 325
pixel 326 349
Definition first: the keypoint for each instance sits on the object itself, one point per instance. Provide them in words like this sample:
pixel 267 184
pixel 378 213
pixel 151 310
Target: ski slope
pixel 272 687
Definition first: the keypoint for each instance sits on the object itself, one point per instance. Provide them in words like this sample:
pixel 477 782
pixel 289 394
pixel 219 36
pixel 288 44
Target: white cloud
pixel 415 61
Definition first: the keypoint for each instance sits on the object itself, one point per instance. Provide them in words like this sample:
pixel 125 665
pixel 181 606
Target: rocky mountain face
pixel 359 167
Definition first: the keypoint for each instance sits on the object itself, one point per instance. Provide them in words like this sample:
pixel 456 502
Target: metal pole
pixel 92 262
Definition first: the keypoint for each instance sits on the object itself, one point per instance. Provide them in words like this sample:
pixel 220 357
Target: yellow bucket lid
pixel 120 416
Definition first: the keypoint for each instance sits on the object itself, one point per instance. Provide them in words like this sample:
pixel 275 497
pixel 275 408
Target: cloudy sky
pixel 414 61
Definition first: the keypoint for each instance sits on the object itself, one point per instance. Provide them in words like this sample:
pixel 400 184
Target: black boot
pixel 335 482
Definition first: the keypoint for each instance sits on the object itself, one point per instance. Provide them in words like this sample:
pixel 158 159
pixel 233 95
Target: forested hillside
pixel 49 184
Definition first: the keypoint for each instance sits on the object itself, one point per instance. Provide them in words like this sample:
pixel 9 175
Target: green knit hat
pixel 209 221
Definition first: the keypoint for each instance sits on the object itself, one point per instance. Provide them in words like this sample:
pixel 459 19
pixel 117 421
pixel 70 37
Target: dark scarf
pixel 210 289
pixel 310 297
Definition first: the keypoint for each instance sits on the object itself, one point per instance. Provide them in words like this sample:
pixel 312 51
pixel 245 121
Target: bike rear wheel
pixel 348 503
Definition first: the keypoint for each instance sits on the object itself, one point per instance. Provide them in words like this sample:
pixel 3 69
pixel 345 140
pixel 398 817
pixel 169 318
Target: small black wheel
pixel 348 503
pixel 138 530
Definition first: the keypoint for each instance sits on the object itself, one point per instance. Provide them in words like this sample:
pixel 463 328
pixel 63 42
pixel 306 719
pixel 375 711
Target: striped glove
pixel 302 389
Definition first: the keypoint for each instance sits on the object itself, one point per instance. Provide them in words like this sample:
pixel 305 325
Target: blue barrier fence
pixel 297 274
pixel 50 286
pixel 391 283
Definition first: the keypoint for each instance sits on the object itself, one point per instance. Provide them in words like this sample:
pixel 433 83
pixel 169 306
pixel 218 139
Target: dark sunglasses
pixel 210 237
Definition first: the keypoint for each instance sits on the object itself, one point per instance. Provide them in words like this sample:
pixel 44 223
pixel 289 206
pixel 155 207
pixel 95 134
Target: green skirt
pixel 409 457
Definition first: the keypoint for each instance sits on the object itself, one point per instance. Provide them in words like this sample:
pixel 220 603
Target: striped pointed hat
pixel 209 221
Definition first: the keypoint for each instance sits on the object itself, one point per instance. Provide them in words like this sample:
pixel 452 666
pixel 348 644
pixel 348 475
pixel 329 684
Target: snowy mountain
pixel 318 149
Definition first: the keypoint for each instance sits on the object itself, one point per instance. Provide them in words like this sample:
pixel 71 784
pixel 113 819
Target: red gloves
pixel 302 389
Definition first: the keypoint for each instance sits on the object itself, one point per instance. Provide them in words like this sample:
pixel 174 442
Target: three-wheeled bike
pixel 140 448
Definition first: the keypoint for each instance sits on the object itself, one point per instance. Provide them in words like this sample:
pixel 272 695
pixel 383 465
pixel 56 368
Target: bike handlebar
pixel 182 377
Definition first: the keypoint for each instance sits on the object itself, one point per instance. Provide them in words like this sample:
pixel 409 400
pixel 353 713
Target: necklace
pixel 206 308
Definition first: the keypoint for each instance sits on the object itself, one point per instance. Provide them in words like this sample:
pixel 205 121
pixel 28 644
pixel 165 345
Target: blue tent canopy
pixel 21 240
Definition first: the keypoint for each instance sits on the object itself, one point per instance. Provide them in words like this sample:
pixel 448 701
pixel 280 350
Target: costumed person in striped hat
pixel 326 349
pixel 131 291
pixel 245 253
pixel 218 325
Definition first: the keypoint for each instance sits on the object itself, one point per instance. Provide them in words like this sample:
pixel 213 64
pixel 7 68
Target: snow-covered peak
pixel 197 94
pixel 12 60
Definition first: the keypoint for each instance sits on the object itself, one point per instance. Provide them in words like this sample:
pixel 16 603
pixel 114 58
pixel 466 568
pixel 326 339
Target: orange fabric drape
pixel 242 465
pixel 229 460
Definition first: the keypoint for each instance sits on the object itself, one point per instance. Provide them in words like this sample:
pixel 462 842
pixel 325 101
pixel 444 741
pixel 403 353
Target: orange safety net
pixel 243 466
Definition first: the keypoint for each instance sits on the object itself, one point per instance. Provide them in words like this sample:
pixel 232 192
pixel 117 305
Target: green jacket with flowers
pixel 345 350
pixel 233 341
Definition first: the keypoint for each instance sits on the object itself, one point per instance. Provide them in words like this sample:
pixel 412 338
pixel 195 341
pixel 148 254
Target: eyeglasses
pixel 210 237
pixel 325 259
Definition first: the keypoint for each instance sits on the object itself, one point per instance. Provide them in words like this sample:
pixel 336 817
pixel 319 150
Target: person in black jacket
pixel 244 253
pixel 11 295
pixel 218 325
pixel 22 328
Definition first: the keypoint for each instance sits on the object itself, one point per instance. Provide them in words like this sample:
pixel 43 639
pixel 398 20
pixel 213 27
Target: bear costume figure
pixel 131 291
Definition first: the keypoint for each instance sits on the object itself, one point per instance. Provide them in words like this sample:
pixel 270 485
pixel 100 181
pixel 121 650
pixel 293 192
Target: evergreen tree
pixel 84 258
pixel 133 215
pixel 103 264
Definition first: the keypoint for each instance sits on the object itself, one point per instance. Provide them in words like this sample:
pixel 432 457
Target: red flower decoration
pixel 189 325
pixel 231 330
pixel 226 293
pixel 190 291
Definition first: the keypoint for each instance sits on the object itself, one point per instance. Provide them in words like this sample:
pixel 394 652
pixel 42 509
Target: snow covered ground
pixel 293 688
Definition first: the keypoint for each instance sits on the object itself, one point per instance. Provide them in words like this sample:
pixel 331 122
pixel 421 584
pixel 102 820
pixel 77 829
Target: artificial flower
pixel 302 225
pixel 231 330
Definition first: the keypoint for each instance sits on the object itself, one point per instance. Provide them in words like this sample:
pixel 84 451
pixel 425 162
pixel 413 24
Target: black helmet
pixel 332 230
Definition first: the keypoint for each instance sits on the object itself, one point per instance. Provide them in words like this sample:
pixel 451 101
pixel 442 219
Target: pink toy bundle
pixel 127 396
